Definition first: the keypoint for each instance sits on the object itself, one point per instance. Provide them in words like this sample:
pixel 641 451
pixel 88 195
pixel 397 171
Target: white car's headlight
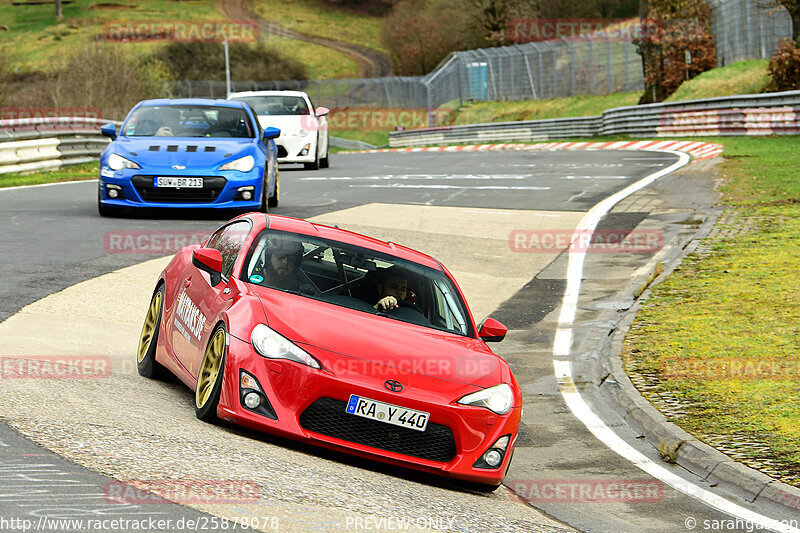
pixel 243 164
pixel 301 133
pixel 497 399
pixel 272 345
pixel 117 162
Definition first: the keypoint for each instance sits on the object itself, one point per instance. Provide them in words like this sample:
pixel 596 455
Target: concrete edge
pixel 673 443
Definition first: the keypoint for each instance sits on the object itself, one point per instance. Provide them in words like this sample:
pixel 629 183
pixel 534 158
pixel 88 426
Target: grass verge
pixel 743 77
pixel 87 171
pixel 317 18
pixel 722 333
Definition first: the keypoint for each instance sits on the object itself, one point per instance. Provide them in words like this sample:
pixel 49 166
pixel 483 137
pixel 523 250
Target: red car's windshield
pixel 356 278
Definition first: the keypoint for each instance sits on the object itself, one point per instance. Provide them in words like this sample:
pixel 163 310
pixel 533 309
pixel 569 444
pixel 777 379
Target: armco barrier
pixel 758 114
pixel 30 144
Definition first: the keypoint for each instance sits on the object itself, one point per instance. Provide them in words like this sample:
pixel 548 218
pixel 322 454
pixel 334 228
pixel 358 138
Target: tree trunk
pixel 59 14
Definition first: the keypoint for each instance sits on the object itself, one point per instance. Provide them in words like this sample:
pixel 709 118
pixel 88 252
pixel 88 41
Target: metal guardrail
pixel 348 144
pixel 31 144
pixel 757 114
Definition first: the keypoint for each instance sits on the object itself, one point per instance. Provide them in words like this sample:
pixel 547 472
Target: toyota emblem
pixel 393 385
pixel 178 167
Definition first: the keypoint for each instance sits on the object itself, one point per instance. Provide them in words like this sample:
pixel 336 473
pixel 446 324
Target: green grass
pixel 743 77
pixel 71 173
pixel 321 62
pixel 314 17
pixel 575 106
pixel 740 304
pixel 375 138
pixel 38 40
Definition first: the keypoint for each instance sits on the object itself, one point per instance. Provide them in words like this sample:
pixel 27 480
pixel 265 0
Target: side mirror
pixel 109 130
pixel 492 331
pixel 209 260
pixel 271 133
pixel 322 111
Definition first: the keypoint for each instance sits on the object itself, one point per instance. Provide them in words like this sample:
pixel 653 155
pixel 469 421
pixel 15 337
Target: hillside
pixel 316 33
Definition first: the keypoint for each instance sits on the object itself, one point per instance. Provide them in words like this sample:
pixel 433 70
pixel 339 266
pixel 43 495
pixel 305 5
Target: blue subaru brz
pixel 189 153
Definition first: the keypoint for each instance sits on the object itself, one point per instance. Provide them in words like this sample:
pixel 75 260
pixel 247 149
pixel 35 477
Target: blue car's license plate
pixel 178 183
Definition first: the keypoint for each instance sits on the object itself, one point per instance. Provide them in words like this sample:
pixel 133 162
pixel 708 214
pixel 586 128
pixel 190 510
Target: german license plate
pixel 387 413
pixel 179 183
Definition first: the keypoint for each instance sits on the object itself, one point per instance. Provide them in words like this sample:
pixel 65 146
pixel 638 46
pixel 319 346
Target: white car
pixel 304 130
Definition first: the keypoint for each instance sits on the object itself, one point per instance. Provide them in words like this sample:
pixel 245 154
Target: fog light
pixel 493 458
pixel 113 193
pixel 305 149
pixel 245 193
pixel 252 400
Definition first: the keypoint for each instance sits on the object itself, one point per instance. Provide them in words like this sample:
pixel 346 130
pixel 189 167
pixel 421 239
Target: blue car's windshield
pixel 188 121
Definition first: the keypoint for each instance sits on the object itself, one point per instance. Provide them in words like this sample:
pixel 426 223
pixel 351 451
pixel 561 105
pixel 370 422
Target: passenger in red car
pixel 392 289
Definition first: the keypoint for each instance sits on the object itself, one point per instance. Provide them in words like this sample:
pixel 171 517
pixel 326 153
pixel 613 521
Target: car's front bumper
pixel 309 405
pixel 221 190
pixel 295 149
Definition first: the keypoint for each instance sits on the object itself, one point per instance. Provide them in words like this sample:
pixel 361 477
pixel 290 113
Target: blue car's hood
pixel 189 152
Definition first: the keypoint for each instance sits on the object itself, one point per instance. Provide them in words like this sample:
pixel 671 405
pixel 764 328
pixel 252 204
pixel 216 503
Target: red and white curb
pixel 698 150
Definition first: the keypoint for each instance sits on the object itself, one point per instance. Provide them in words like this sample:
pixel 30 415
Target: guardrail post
pixel 608 65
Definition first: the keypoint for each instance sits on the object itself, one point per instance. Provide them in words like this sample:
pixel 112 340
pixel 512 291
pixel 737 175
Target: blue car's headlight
pixel 117 162
pixel 243 164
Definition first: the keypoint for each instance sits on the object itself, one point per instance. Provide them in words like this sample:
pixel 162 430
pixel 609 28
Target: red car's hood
pixel 409 348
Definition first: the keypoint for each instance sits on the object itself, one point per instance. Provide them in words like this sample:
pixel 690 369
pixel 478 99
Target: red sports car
pixel 331 337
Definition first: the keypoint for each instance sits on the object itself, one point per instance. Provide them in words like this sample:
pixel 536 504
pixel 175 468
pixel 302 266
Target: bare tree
pixel 793 7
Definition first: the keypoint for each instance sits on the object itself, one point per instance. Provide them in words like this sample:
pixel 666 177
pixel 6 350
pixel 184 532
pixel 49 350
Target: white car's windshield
pixel 356 278
pixel 188 121
pixel 276 104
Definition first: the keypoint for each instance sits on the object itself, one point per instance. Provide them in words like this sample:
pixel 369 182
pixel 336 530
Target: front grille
pixel 212 187
pixel 282 151
pixel 328 417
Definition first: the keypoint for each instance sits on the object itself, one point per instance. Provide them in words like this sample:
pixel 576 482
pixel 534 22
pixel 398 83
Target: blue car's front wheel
pixel 273 200
pixel 104 210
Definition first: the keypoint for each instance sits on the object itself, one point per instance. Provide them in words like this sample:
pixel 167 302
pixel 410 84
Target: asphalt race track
pixel 78 285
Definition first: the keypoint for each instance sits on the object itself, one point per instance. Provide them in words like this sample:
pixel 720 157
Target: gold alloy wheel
pixel 209 369
pixel 149 327
pixel 277 184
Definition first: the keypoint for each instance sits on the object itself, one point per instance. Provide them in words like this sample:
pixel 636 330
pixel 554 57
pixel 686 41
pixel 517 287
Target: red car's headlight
pixel 272 345
pixel 497 399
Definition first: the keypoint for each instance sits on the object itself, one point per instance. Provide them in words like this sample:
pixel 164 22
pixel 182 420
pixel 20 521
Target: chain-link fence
pixel 530 71
pixel 748 29
pixel 593 63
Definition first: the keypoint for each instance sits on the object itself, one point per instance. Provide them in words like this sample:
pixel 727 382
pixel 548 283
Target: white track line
pixel 45 185
pixel 576 403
